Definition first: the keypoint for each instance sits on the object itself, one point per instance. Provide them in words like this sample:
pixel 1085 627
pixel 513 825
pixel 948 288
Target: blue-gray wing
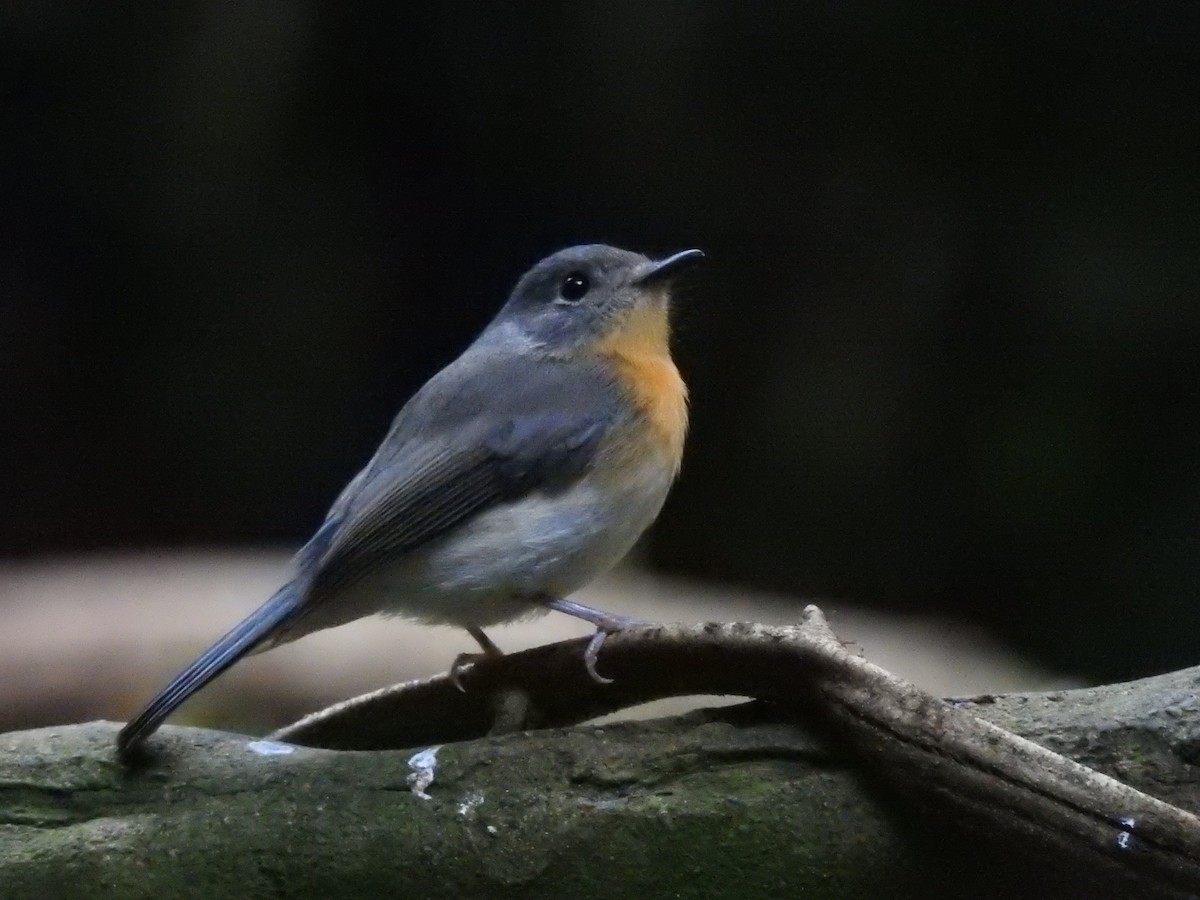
pixel 488 428
pixel 422 494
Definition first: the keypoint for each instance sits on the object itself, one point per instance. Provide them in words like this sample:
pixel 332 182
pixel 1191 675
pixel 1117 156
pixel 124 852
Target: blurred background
pixel 943 353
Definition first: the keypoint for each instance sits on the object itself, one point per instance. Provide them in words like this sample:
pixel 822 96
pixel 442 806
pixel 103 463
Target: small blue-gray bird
pixel 516 475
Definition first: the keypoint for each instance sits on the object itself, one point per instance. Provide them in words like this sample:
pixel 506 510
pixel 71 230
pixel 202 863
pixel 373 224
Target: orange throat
pixel 642 353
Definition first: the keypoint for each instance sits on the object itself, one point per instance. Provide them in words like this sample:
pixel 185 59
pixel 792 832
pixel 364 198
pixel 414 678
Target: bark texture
pixel 839 781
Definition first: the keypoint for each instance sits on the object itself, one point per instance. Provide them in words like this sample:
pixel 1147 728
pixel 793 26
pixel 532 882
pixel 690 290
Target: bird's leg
pixel 489 648
pixel 490 651
pixel 606 624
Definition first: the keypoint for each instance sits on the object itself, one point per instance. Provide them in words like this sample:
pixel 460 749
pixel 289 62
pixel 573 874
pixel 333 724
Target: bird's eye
pixel 574 287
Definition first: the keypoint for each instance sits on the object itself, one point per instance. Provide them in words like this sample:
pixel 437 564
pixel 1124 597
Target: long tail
pixel 242 639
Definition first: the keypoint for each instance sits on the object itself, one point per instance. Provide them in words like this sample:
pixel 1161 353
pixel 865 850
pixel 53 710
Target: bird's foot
pixel 463 660
pixel 606 624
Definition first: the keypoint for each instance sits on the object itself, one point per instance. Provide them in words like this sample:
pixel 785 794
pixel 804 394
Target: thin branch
pixel 940 755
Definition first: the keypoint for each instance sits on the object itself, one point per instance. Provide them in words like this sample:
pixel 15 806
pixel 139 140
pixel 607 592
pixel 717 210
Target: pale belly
pixel 495 568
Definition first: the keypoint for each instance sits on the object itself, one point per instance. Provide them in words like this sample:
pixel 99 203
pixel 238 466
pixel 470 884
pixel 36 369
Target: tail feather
pixel 241 640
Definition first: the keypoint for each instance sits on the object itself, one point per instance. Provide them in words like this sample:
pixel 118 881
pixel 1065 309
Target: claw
pixel 606 624
pixel 460 662
pixel 590 654
pixel 490 651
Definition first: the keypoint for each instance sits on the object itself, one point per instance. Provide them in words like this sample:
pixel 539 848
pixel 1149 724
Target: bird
pixel 516 475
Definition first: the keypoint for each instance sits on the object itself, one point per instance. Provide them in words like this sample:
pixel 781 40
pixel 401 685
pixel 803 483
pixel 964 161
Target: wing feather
pixel 424 493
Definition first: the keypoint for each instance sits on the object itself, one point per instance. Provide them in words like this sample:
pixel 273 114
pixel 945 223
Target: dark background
pixel 943 353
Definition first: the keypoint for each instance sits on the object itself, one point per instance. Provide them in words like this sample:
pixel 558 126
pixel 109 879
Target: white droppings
pixel 1125 835
pixel 469 803
pixel 270 748
pixel 422 765
pixel 605 804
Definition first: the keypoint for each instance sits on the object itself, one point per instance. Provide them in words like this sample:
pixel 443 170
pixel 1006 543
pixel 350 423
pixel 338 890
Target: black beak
pixel 666 269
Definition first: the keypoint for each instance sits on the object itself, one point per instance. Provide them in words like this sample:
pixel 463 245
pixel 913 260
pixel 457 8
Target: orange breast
pixel 641 350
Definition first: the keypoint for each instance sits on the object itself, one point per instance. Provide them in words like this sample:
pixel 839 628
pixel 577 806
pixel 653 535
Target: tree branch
pixel 936 770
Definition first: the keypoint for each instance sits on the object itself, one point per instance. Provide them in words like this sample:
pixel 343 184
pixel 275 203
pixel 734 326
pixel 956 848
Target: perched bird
pixel 516 475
